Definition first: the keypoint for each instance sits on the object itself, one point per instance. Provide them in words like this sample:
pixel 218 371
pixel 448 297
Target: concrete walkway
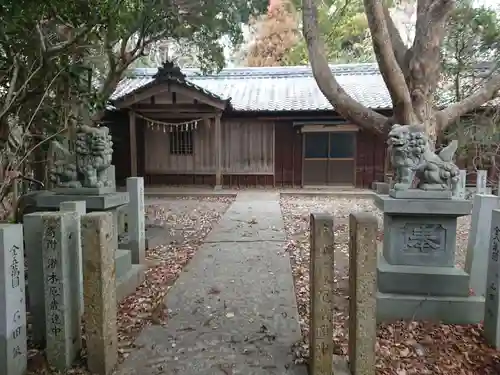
pixel 233 309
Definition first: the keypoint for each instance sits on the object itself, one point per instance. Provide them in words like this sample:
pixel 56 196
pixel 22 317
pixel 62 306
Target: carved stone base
pixel 444 309
pixel 94 202
pixel 420 194
pixel 85 191
pixel 421 280
pixel 419 232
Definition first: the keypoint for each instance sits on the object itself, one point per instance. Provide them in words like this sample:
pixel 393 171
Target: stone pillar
pixel 76 244
pixel 363 293
pixel 62 312
pixel 99 286
pixel 492 299
pixel 133 143
pixel 321 287
pixel 481 181
pixel 33 230
pixel 13 351
pixel 136 217
pixel 111 176
pixel 462 185
pixel 218 152
pixel 476 261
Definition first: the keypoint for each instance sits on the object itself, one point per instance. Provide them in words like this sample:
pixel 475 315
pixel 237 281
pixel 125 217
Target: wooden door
pixel 341 158
pixel 329 158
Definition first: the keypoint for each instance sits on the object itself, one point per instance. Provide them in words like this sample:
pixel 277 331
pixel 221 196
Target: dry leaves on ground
pixel 402 348
pixel 186 221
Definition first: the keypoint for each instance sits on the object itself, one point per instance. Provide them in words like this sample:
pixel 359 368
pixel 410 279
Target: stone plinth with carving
pixel 417 275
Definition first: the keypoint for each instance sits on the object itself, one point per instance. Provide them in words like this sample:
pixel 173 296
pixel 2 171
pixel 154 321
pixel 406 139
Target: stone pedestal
pixel 417 276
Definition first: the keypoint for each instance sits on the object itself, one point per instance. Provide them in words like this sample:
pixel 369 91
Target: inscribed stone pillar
pixel 62 312
pixel 481 182
pixel 76 245
pixel 99 288
pixel 476 261
pixel 363 293
pixel 136 224
pixel 462 184
pixel 321 286
pixel 33 230
pixel 13 351
pixel 492 299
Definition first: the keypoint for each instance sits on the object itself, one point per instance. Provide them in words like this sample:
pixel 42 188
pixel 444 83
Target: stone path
pixel 233 309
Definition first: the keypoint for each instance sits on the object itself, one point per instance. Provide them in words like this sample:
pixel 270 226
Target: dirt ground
pixel 402 348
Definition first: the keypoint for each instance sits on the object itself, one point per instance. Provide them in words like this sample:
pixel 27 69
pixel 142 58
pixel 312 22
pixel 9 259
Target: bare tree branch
pixel 401 51
pixel 336 95
pixel 76 36
pixel 389 67
pixel 454 111
pixel 12 86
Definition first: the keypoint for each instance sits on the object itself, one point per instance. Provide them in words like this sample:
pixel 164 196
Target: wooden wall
pixel 288 155
pixel 370 158
pixel 158 159
pixel 118 125
pixel 256 153
pixel 247 147
pixel 247 150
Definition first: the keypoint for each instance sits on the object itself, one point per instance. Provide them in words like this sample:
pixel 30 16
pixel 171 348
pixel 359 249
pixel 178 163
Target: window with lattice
pixel 181 142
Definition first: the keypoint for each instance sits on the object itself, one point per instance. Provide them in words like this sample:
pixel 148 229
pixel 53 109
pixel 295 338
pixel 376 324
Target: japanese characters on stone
pixel 53 280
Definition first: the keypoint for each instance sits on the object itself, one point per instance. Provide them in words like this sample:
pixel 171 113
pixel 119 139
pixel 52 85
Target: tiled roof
pixel 138 82
pixel 277 88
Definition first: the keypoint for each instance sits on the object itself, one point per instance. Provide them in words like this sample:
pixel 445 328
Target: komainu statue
pixel 88 165
pixel 412 157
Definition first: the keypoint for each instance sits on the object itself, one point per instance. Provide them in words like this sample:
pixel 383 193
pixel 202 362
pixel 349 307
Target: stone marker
pixel 99 290
pixel 13 350
pixel 476 261
pixel 461 188
pixel 62 312
pixel 135 216
pixel 363 293
pixel 481 182
pixel 321 286
pixel 76 243
pixel 492 300
pixel 33 230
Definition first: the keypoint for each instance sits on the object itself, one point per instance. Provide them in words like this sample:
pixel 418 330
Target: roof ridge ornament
pixel 168 71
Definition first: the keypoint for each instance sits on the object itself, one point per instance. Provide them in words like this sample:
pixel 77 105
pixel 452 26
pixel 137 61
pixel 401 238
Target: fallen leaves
pixel 186 222
pixel 402 348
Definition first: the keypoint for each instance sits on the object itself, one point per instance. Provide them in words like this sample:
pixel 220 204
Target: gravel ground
pixel 187 221
pixel 402 348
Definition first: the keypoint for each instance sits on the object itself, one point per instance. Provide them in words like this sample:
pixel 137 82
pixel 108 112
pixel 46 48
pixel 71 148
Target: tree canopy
pixel 60 61
pixel 411 73
pixel 344 26
pixel 274 34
